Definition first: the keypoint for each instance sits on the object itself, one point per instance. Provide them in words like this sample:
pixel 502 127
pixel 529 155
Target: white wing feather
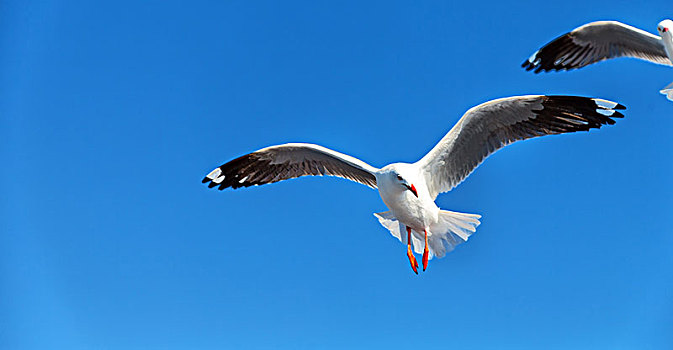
pixel 594 42
pixel 492 125
pixel 289 161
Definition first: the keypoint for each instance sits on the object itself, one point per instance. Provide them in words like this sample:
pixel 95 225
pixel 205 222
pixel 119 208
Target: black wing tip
pixel 537 68
pixel 231 173
pixel 210 178
pixel 617 115
pixel 595 112
pixel 220 186
pixel 614 109
pixel 559 98
pixel 552 57
pixel 529 66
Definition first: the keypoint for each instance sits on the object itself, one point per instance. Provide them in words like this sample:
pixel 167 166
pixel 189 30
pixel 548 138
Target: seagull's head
pixel 665 27
pixel 400 177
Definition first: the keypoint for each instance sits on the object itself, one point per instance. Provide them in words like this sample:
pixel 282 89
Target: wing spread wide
pixel 495 124
pixel 282 162
pixel 594 42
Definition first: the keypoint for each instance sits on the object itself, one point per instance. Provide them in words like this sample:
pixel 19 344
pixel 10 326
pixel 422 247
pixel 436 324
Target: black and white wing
pixel 594 42
pixel 289 161
pixel 492 125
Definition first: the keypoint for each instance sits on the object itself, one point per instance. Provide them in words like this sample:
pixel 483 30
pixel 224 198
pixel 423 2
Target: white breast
pixel 417 213
pixel 667 39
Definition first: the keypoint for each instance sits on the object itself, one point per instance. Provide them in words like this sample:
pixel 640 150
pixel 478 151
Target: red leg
pixel 426 252
pixel 410 254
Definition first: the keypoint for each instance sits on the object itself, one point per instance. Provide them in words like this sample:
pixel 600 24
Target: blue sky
pixel 111 113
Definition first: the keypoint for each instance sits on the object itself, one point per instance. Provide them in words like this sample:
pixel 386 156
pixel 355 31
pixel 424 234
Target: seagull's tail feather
pixel 452 229
pixel 668 91
pixel 398 230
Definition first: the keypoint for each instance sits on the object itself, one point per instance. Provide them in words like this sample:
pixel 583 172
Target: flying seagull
pixel 598 41
pixel 409 190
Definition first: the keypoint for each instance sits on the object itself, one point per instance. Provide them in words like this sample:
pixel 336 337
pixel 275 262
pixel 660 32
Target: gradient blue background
pixel 112 113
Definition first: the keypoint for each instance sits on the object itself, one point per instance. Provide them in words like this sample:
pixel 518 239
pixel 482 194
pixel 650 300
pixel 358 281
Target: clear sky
pixel 112 113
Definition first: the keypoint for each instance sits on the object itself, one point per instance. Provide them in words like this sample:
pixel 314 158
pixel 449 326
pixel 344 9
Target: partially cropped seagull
pixel 598 41
pixel 409 190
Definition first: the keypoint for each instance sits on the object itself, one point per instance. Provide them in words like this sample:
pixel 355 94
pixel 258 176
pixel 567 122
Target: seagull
pixel 598 41
pixel 409 190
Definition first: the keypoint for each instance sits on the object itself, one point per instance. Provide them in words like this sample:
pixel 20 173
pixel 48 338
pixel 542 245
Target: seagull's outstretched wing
pixel 288 161
pixel 492 125
pixel 594 42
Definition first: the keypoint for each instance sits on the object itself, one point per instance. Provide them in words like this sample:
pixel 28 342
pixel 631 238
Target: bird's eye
pixel 399 177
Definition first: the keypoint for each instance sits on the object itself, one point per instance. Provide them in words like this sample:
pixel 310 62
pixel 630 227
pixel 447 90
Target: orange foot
pixel 412 259
pixel 410 254
pixel 426 252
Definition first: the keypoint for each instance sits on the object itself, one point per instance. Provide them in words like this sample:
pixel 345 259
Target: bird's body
pixel 409 190
pixel 664 29
pixel 413 208
pixel 602 40
pixel 419 212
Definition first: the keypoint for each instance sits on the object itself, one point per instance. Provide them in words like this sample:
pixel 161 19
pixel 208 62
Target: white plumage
pixel 409 190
